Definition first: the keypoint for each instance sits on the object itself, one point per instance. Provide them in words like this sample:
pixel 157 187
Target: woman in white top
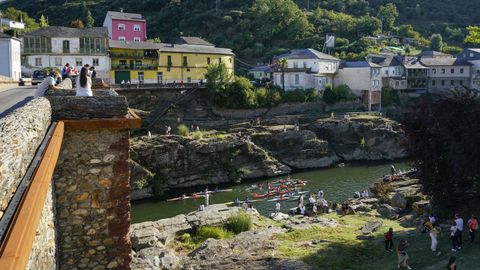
pixel 84 84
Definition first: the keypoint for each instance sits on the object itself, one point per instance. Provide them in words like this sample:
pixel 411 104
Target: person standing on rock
pixel 207 197
pixel 392 170
pixel 277 208
pixel 402 254
pixel 320 195
pixel 388 236
pixel 472 227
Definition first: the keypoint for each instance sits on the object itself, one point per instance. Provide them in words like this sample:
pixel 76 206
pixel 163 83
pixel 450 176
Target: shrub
pixel 240 94
pixel 183 130
pixel 329 95
pixel 297 95
pixel 268 97
pixel 390 97
pixel 197 135
pixel 240 222
pixel 343 93
pixel 311 95
pixel 206 232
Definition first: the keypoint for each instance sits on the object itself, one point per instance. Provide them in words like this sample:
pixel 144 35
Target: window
pixel 452 82
pixel 58 61
pixel 95 62
pixel 66 46
pixel 38 62
pixel 297 79
pixel 386 72
pixel 37 45
pixel 461 82
pixel 230 60
pixel 304 64
pixel 121 38
pixel 121 27
pixel 471 54
pixel 136 39
pixel 219 60
pixel 461 71
pixel 295 65
pixel 443 71
pixel 433 83
pixel 79 62
pixel 189 80
pixel 328 67
pixel 452 70
pixel 141 77
pixel 123 62
pixel 208 60
pixel 443 82
pixel 92 45
pixel 159 77
pixel 169 60
pixel 138 64
pixel 434 71
pixel 185 61
pixel 136 28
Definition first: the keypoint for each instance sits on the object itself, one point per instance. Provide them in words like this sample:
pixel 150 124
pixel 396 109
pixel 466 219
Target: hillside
pixel 259 28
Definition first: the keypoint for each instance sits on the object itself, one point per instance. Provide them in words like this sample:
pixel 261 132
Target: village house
pixel 134 62
pixel 10 53
pixel 393 71
pixel 54 46
pixel 306 68
pixel 125 26
pixel 445 72
pixel 365 80
pixel 261 73
pixel 187 60
pixel 472 56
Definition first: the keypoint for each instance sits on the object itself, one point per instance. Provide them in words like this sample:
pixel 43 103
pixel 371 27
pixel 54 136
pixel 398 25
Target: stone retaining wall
pixel 93 200
pixel 43 254
pixel 22 132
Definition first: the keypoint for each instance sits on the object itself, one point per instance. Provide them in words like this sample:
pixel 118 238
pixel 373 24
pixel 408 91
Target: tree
pixel 43 22
pixel 18 15
pixel 328 95
pixel 90 21
pixel 217 77
pixel 473 37
pixel 388 14
pixel 77 24
pixel 407 31
pixel 443 143
pixel 436 42
pixel 283 64
pixel 240 94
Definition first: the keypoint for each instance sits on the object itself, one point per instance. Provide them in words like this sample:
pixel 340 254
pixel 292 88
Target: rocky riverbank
pixel 164 162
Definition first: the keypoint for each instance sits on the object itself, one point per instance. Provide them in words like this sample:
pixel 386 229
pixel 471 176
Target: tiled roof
pixel 125 16
pixel 358 64
pixel 443 62
pixel 433 54
pixel 195 49
pixel 386 60
pixel 68 32
pixel 134 45
pixel 192 41
pixel 262 68
pixel 306 54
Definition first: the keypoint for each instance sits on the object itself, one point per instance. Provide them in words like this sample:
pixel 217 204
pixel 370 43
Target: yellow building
pixel 156 63
pixel 187 60
pixel 134 61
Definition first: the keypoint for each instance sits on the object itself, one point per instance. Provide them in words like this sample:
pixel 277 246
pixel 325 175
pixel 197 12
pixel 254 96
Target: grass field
pixel 344 247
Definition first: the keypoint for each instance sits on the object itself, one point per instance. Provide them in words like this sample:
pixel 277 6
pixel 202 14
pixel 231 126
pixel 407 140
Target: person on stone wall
pixel 48 83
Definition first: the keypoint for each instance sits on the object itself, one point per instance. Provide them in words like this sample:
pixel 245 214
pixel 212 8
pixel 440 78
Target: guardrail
pixel 23 224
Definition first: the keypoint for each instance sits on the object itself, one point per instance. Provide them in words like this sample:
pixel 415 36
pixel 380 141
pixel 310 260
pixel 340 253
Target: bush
pixel 297 95
pixel 240 222
pixel 206 232
pixel 390 97
pixel 337 94
pixel 329 95
pixel 197 135
pixel 183 130
pixel 240 94
pixel 268 97
pixel 311 95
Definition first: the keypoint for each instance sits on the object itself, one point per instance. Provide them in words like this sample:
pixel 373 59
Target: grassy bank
pixel 344 247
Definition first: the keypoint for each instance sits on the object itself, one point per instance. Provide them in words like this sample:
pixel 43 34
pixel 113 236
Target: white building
pixel 472 56
pixel 10 65
pixel 306 68
pixel 365 80
pixel 393 70
pixel 55 46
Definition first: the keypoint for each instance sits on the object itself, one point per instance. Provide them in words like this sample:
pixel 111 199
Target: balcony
pixel 134 55
pixel 138 67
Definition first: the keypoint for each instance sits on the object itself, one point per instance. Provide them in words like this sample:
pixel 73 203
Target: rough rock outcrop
pixel 184 162
pixel 387 211
pixel 371 227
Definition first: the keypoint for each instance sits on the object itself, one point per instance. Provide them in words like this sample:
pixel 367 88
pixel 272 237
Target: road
pixel 14 97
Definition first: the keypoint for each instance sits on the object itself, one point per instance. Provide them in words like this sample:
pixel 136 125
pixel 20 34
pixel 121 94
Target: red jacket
pixel 388 235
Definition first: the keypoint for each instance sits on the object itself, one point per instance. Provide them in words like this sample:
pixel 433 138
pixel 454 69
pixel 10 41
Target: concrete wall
pixel 93 200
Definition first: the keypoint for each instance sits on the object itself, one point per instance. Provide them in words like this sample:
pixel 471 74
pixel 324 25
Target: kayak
pixel 240 202
pixel 185 198
pixel 213 191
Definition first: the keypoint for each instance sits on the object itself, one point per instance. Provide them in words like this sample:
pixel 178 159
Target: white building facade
pixel 10 53
pixel 53 47
pixel 472 56
pixel 305 69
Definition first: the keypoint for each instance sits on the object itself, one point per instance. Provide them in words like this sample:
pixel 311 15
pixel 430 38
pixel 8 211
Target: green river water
pixel 338 184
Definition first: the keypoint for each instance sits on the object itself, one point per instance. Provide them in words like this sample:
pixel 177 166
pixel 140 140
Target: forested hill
pixel 259 28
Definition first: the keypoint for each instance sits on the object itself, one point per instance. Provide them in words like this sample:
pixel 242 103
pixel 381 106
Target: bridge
pixel 64 183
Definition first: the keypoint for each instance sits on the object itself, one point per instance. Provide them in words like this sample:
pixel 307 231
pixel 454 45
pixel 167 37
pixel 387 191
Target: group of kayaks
pixel 280 190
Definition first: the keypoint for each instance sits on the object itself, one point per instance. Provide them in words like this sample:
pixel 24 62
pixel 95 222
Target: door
pixel 159 77
pixel 122 75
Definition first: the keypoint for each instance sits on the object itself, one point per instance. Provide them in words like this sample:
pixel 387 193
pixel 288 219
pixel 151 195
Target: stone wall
pixel 93 200
pixel 43 254
pixel 22 132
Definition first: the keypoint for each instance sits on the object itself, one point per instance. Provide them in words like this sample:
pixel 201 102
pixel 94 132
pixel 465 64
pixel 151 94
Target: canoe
pixel 213 191
pixel 185 198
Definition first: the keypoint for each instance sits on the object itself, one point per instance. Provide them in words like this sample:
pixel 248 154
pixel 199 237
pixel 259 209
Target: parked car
pixel 38 76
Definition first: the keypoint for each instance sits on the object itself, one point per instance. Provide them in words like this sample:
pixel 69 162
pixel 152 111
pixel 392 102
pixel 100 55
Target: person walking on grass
pixel 388 236
pixel 452 263
pixel 472 227
pixel 402 254
pixel 459 224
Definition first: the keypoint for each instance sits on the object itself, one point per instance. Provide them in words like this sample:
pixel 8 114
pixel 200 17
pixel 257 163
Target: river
pixel 337 183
